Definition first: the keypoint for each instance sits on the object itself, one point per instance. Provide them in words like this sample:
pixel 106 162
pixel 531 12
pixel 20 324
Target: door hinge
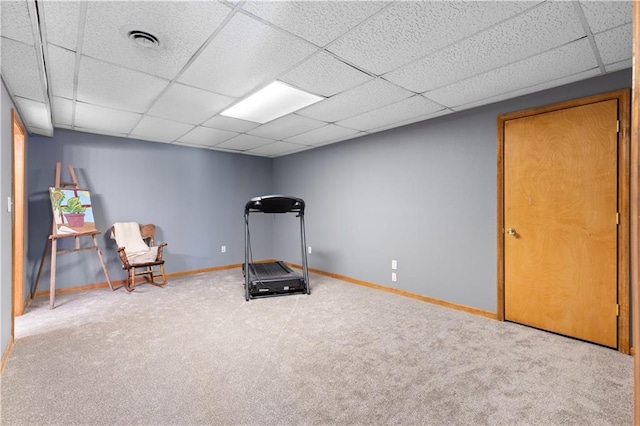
pixel 617 310
pixel 617 218
pixel 617 126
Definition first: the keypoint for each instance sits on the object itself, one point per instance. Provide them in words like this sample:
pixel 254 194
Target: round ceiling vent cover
pixel 143 38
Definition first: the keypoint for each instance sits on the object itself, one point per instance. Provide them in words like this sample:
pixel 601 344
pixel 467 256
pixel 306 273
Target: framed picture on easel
pixel 72 211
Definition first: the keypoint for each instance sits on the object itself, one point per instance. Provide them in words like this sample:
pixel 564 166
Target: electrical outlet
pixel 394 277
pixel 394 264
pixel 309 250
pixel 9 204
pixel 223 249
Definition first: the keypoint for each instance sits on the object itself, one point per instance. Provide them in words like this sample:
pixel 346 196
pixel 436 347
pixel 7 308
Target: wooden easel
pixel 54 236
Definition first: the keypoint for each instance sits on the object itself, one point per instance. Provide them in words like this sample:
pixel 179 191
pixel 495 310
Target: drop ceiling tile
pixel 230 124
pixel 407 108
pixel 15 22
pixel 181 27
pixel 535 31
pixel 532 89
pixel 615 45
pixel 100 132
pixel 561 62
pixel 104 119
pixel 277 148
pixel 62 111
pixel 61 20
pixel 411 120
pixel 34 114
pixel 369 96
pixel 245 56
pixel 61 69
pixel 160 129
pixel 244 143
pixel 287 126
pixel 323 74
pixel 319 22
pixel 188 104
pixel 204 136
pixel 602 15
pixel 112 86
pixel 20 70
pixel 623 65
pixel 408 30
pixel 327 134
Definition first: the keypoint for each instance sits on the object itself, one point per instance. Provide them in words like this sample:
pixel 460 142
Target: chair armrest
pixel 123 258
pixel 159 256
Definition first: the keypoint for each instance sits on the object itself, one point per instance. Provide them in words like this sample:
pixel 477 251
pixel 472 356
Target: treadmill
pixel 274 278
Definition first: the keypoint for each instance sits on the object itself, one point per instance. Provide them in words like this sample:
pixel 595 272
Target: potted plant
pixel 74 212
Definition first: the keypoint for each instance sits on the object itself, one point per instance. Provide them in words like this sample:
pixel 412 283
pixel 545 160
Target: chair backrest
pixel 148 233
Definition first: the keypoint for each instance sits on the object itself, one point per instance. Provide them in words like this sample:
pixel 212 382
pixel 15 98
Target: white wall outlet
pixel 394 277
pixel 394 264
pixel 9 204
pixel 223 249
pixel 309 250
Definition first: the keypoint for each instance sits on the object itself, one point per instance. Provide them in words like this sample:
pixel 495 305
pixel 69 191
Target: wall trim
pixel 5 354
pixel 405 293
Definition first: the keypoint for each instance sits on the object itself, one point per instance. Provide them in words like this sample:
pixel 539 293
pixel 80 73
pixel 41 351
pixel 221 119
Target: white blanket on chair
pixel 127 235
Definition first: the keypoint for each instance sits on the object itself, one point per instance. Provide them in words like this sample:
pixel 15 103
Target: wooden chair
pixel 149 265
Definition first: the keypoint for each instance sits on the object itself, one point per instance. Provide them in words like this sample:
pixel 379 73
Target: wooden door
pixel 18 213
pixel 560 220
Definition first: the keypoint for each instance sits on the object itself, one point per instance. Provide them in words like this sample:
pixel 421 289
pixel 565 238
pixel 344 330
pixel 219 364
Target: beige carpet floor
pixel 195 352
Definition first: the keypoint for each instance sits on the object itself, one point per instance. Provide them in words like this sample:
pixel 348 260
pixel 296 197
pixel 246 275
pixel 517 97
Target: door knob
pixel 511 231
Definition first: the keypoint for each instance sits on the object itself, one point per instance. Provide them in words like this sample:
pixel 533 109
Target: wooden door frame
pixel 624 104
pixel 635 206
pixel 18 174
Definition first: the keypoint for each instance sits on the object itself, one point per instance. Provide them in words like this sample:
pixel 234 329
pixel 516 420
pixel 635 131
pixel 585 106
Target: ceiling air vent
pixel 143 38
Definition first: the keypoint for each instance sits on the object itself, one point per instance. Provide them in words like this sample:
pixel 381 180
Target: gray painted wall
pixel 196 197
pixel 424 195
pixel 5 219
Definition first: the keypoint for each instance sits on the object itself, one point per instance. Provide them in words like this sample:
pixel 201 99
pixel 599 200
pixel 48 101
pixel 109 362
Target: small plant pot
pixel 75 220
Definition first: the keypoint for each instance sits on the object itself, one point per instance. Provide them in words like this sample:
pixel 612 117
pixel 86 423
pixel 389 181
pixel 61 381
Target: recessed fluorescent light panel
pixel 275 100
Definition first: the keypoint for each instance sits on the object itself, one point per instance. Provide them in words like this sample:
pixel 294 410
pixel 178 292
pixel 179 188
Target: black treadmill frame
pixel 267 285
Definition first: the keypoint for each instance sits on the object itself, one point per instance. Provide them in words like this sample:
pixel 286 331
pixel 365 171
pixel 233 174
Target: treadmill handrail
pixel 275 204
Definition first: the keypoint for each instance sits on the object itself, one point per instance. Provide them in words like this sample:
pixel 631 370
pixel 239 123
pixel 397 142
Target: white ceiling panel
pixel 277 148
pixel 408 30
pixel 62 111
pixel 204 136
pixel 320 22
pixel 61 68
pixel 35 112
pixel 160 129
pixel 287 126
pixel 244 56
pixel 531 89
pixel 20 67
pixel 325 75
pixel 622 65
pixel 188 104
pixel 61 20
pixel 15 20
pixel 369 96
pixel 407 108
pixel 108 24
pixel 104 119
pixel 602 15
pixel 231 124
pixel 112 86
pixel 535 31
pixel 552 65
pixel 328 133
pixel 615 45
pixel 412 120
pixel 244 143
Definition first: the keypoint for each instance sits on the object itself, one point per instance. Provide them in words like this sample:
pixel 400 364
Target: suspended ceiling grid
pixel 379 65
